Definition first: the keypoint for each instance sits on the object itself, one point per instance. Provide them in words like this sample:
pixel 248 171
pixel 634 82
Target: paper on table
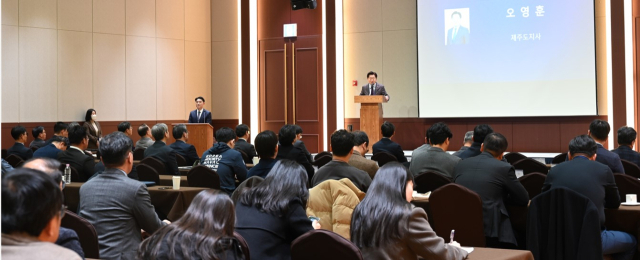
pixel 468 249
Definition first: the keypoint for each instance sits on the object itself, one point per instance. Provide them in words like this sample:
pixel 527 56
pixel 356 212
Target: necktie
pixel 371 92
pixel 199 115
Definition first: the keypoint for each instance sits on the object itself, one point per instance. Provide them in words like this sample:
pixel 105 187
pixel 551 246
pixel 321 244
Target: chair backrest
pixel 456 207
pixel 630 168
pixel 15 160
pixel 626 185
pixel 202 176
pixel 4 154
pixel 533 182
pixel 75 177
pixel 243 244
pixel 245 156
pixel 513 157
pixel 559 158
pixel 147 173
pixel 528 165
pixel 320 154
pixel 429 181
pixel 383 157
pixel 181 161
pixel 86 233
pixel 323 244
pixel 138 154
pixel 322 160
pixel 155 163
pixel 245 186
pixel 33 149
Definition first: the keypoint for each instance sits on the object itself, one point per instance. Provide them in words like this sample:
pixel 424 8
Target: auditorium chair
pixel 513 157
pixel 33 149
pixel 245 157
pixel 86 233
pixel 383 158
pixel 560 158
pixel 246 185
pixel 322 160
pixel 181 161
pixel 533 182
pixel 529 165
pixel 202 176
pixel 155 163
pixel 4 154
pixel 147 173
pixel 456 207
pixel 14 160
pixel 320 244
pixel 631 169
pixel 626 185
pixel 138 154
pixel 429 181
pixel 320 154
pixel 243 245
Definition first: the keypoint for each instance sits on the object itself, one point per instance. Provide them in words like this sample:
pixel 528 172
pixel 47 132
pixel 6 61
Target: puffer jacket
pixel 333 202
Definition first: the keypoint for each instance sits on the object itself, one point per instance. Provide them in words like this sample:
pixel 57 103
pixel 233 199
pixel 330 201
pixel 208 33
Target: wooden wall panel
pixel 618 71
pixel 272 14
pixel 536 136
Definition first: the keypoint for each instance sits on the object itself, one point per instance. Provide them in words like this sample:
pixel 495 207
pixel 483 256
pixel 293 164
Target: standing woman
pixel 93 129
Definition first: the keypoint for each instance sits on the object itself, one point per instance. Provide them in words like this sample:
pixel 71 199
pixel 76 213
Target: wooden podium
pixel 200 136
pixel 371 116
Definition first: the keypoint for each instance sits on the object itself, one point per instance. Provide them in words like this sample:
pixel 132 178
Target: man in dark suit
pixel 243 132
pixel 300 144
pixel 626 139
pixel 434 158
pixel 188 151
pixel 75 156
pixel 386 145
pixel 479 133
pixel 599 131
pixel 496 184
pixel 161 150
pixel 60 129
pixel 457 34
pixel 57 145
pixel 374 88
pixel 200 115
pixel 286 149
pixel 267 148
pixel 594 181
pixel 117 206
pixel 39 136
pixel 468 141
pixel 19 134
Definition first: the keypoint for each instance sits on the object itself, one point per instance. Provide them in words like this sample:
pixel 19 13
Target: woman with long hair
pixel 385 225
pixel 205 231
pixel 273 214
pixel 93 128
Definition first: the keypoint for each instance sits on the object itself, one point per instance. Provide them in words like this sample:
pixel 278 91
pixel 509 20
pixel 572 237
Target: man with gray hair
pixel 161 151
pixel 468 140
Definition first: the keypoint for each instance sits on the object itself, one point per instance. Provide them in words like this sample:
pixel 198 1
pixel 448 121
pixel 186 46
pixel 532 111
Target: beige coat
pixel 333 202
pixel 20 247
pixel 362 163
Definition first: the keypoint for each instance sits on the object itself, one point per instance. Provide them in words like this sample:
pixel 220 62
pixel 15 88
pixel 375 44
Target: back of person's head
pixel 241 130
pixel 286 182
pixel 438 133
pixel 61 139
pixel 298 129
pixel 30 200
pixel 287 134
pixel 359 138
pixel 143 130
pixel 626 135
pixel 225 134
pixel 583 144
pixel 178 131
pixel 47 165
pixel 388 129
pixel 341 142
pixel 599 129
pixel 18 131
pixel 159 131
pixel 496 144
pixel 381 218
pixel 59 127
pixel 37 131
pixel 124 126
pixel 114 149
pixel 266 143
pixel 77 134
pixel 480 132
pixel 468 137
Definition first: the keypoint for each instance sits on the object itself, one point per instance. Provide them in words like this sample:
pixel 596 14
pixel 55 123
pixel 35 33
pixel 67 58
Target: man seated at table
pixel 496 183
pixel 117 206
pixel 286 149
pixel 300 144
pixel 360 148
pixel 595 181
pixel 599 131
pixel 57 145
pixel 59 129
pixel 226 161
pixel 479 133
pixel 39 135
pixel 626 139
pixel 145 132
pixel 242 131
pixel 31 221
pixel 161 151
pixel 466 143
pixel 19 134
pixel 75 156
pixel 386 145
pixel 267 148
pixel 435 158
pixel 188 151
pixel 338 168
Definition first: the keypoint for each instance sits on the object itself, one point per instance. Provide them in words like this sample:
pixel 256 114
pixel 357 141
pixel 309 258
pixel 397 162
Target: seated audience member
pixel 435 158
pixel 298 143
pixel 468 140
pixel 6 168
pixel 161 151
pixel 188 151
pixel 596 182
pixel 205 231
pixel 75 156
pixel 57 145
pixel 242 131
pixel 39 136
pixel 31 213
pixel 496 183
pixel 599 131
pixel 386 145
pixel 67 238
pixel 338 168
pixel 117 206
pixel 126 128
pixel 286 149
pixel 19 134
pixel 59 129
pixel 385 225
pixel 360 148
pixel 225 161
pixel 626 140
pixel 479 133
pixel 272 214
pixel 145 132
pixel 267 147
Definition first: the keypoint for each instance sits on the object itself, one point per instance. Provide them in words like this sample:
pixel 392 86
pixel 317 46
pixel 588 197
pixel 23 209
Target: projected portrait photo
pixel 456 26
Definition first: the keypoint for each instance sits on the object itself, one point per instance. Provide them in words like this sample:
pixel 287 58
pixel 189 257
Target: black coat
pixel 472 151
pixel 84 164
pixel 165 154
pixel 386 145
pixel 610 159
pixel 20 150
pixel 293 153
pixel 247 148
pixel 188 151
pixel 626 153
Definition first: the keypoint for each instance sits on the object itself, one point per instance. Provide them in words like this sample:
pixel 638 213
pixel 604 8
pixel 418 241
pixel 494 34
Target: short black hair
pixel 372 73
pixel 62 139
pixel 30 199
pixel 87 117
pixel 59 126
pixel 143 129
pixel 495 143
pixel 626 135
pixel 159 130
pixel 114 149
pixel 599 129
pixel 200 98
pixel 242 130
pixel 438 133
pixel 388 129
pixel 287 134
pixel 124 126
pixel 360 137
pixel 480 132
pixel 77 133
pixel 456 13
pixel 178 131
pixel 298 129
pixel 225 134
pixel 583 144
pixel 36 131
pixel 266 142
pixel 18 131
pixel 341 142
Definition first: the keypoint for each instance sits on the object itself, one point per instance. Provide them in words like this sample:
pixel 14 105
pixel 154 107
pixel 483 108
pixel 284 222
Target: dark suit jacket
pixel 83 163
pixel 386 145
pixel 204 118
pixel 187 151
pixel 37 143
pixel 293 153
pixel 626 153
pixel 20 150
pixel 48 151
pixel 94 134
pixel 300 144
pixel 165 154
pixel 471 151
pixel 610 159
pixel 366 90
pixel 68 238
pixel 496 184
pixel 247 148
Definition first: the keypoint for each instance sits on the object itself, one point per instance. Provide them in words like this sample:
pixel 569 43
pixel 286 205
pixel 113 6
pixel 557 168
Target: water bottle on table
pixel 67 174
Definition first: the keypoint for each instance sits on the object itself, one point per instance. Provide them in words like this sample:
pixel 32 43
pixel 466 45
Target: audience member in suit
pixel 57 145
pixel 39 136
pixel 226 161
pixel 338 168
pixel 374 88
pixel 596 182
pixel 360 148
pixel 435 158
pixel 19 134
pixel 496 183
pixel 386 145
pixel 267 147
pixel 273 214
pixel 188 151
pixel 626 139
pixel 126 128
pixel 298 143
pixel 75 156
pixel 6 168
pixel 479 133
pixel 599 131
pixel 200 115
pixel 286 149
pixel 60 129
pixel 242 131
pixel 161 151
pixel 93 129
pixel 468 140
pixel 147 139
pixel 385 225
pixel 31 221
pixel 118 207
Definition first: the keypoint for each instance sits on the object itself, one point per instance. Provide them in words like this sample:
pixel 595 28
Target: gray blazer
pixel 428 158
pixel 117 207
pixel 379 90
pixel 144 142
